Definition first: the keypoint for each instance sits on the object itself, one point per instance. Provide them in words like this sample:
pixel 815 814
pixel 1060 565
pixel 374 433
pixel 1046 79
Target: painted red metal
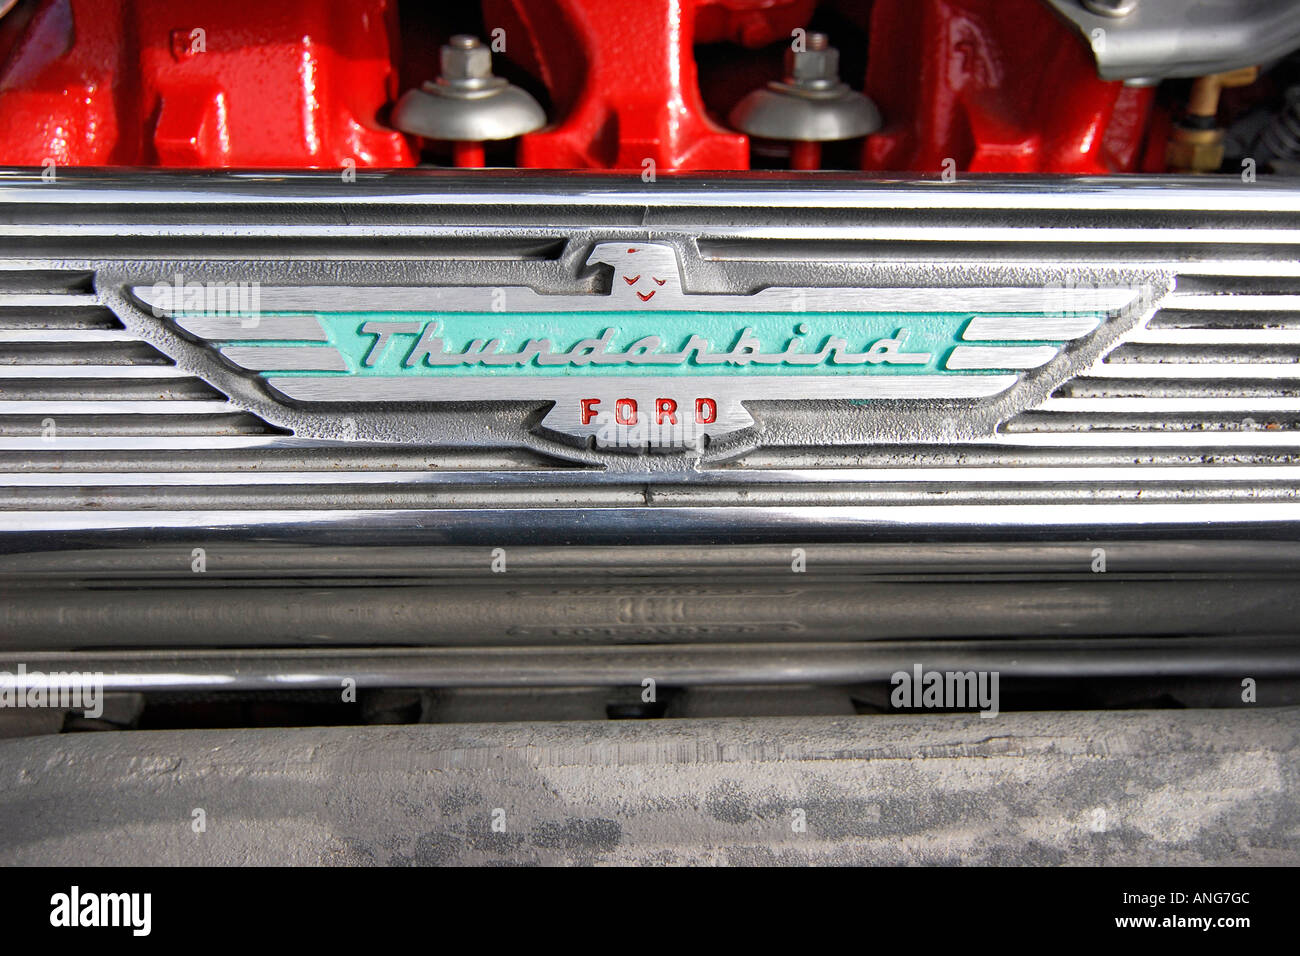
pixel 805 155
pixel 623 83
pixel 992 85
pixel 468 155
pixel 289 83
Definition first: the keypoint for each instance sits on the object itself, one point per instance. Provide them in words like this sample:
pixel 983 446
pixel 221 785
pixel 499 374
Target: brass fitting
pixel 1194 150
pixel 1204 100
pixel 1196 143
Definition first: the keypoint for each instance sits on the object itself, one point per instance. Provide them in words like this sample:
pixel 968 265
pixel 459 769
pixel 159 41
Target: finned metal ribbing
pixel 72 375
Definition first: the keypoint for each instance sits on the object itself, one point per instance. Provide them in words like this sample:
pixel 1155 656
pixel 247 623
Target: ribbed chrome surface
pixel 1217 366
pixel 90 414
pixel 1193 415
pixel 72 377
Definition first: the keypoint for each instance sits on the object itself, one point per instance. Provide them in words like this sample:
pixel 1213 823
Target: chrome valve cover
pixel 298 373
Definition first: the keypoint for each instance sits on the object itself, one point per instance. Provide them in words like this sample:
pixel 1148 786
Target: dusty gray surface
pixel 1208 787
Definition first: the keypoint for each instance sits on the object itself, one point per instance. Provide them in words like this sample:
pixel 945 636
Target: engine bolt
pixel 468 104
pixel 810 106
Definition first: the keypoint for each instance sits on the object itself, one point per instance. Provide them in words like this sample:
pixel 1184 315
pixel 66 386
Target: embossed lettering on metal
pixel 646 363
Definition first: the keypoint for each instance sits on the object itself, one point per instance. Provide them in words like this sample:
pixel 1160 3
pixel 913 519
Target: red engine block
pixel 978 85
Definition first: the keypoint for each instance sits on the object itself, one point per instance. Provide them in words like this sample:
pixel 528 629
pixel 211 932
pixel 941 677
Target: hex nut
pixel 1195 155
pixel 463 61
pixel 813 65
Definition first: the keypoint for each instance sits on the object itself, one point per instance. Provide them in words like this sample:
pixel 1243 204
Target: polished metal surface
pixel 1142 39
pixel 1111 8
pixel 393 344
pixel 305 587
pixel 670 665
pixel 1175 413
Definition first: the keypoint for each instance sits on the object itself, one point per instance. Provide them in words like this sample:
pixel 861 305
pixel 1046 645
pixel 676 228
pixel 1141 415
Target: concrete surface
pixel 1199 787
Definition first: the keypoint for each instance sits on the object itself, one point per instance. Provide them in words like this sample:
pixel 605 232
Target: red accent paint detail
pixel 665 406
pixel 646 296
pixel 625 411
pixel 633 280
pixel 468 155
pixel 706 411
pixel 805 155
pixel 588 409
pixel 659 281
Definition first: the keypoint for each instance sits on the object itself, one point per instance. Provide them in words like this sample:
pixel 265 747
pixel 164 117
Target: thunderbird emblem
pixel 647 363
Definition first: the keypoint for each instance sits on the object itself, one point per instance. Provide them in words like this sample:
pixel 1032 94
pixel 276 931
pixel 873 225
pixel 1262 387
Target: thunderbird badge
pixel 646 363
